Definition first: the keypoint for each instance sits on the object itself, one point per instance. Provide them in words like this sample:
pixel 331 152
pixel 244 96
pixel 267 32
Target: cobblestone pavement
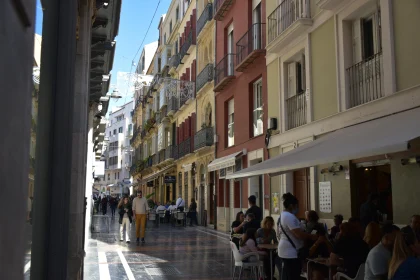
pixel 169 253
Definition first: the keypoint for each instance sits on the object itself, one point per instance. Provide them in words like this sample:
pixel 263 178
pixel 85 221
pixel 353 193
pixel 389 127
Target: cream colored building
pixel 343 69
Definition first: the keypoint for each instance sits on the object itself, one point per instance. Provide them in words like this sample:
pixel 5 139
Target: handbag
pixel 303 252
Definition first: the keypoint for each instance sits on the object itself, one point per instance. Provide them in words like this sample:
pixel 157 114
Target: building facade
pixel 240 102
pixel 118 152
pixel 343 70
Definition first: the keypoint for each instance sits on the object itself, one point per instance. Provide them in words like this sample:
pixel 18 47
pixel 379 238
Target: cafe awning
pixel 156 174
pixel 224 162
pixel 376 137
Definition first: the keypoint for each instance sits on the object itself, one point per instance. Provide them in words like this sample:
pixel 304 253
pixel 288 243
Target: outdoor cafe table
pixel 322 261
pixel 270 248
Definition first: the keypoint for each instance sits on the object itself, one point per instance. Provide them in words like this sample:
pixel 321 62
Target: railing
pixel 221 5
pixel 296 110
pixel 158 117
pixel 173 104
pixel 224 68
pixel 171 152
pixel 161 155
pixel 203 138
pixel 148 162
pixel 189 40
pixel 251 41
pixel 184 148
pixel 285 15
pixel 155 159
pixel 154 82
pixel 174 61
pixel 365 80
pixel 205 16
pixel 205 76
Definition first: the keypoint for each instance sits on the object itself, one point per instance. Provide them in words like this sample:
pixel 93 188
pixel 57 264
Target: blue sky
pixel 135 18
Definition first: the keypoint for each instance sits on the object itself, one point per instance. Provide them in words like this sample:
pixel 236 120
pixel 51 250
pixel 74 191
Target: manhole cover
pixel 158 271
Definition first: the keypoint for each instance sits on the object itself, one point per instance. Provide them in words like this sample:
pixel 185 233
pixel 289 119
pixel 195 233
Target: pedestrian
pixel 104 203
pixel 113 205
pixel 180 204
pixel 193 212
pixel 139 212
pixel 126 213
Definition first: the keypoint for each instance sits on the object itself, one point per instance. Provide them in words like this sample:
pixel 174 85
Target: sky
pixel 134 21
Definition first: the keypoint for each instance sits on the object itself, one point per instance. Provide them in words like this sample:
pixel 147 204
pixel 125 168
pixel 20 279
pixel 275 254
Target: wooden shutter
pixel 187 74
pixel 193 129
pixel 193 70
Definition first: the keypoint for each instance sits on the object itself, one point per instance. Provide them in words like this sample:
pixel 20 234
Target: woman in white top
pixel 291 231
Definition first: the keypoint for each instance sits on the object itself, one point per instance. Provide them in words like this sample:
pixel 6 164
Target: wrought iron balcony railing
pixel 205 17
pixel 190 40
pixel 296 110
pixel 184 148
pixel 155 159
pixel 171 152
pixel 173 104
pixel 224 69
pixel 148 162
pixel 161 156
pixel 366 80
pixel 285 15
pixel 174 61
pixel 205 76
pixel 250 46
pixel 203 138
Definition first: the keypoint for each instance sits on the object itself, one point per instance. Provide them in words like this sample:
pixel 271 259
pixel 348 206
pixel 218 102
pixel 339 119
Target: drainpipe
pixel 215 125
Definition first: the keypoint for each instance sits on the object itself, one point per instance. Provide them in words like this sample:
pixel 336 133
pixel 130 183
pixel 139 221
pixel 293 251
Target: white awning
pixel 377 137
pixel 223 162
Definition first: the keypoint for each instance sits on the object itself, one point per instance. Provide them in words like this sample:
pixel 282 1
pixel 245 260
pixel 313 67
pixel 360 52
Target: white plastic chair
pixel 161 215
pixel 239 261
pixel 359 276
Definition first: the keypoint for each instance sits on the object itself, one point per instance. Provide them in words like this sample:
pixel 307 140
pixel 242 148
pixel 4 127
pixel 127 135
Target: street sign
pixel 170 179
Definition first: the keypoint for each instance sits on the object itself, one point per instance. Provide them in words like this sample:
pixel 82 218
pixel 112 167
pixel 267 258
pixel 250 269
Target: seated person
pixel 350 251
pixel 378 258
pixel 405 263
pixel 248 244
pixel 414 227
pixel 267 235
pixel 322 247
pixel 160 207
pixel 312 222
pixel 249 222
pixel 240 217
pixel 338 220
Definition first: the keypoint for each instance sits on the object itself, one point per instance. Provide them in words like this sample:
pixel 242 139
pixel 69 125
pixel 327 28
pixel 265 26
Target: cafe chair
pixel 359 276
pixel 241 261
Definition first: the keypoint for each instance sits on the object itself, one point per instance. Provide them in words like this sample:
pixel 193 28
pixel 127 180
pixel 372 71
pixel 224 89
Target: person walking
pixel 113 205
pixel 126 213
pixel 193 212
pixel 104 203
pixel 139 212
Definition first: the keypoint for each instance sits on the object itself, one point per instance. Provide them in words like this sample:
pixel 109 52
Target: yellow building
pixel 174 140
pixel 344 90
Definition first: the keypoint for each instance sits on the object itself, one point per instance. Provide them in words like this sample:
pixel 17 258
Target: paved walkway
pixel 169 253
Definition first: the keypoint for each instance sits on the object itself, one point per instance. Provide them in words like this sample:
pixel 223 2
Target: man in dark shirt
pixel 251 222
pixel 414 227
pixel 253 208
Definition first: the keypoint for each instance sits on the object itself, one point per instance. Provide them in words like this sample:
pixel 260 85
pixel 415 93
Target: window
pixel 296 80
pixel 164 39
pixel 110 133
pixel 115 176
pixel 170 27
pixel 130 127
pixel 230 48
pixel 109 176
pixel 142 63
pixel 115 131
pixel 120 130
pixel 177 14
pixel 230 126
pixel 366 37
pixel 168 137
pixel 118 175
pixel 258 109
pixel 120 117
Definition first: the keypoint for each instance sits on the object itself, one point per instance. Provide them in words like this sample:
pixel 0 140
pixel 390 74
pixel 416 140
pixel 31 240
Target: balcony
pixel 161 156
pixel 174 61
pixel 289 20
pixel 221 7
pixel 365 80
pixel 173 105
pixel 205 17
pixel 250 46
pixel 296 111
pixel 205 76
pixel 190 40
pixel 155 159
pixel 204 138
pixel 224 72
pixel 171 152
pixel 184 148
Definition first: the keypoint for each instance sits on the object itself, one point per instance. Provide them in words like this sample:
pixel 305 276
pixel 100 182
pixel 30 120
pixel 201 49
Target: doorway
pixel 301 190
pixel 369 179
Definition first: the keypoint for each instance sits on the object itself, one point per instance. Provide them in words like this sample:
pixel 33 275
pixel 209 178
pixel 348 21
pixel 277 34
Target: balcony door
pixel 230 47
pixel 256 26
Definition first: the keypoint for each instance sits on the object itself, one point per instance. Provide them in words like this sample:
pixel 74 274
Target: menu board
pixel 325 204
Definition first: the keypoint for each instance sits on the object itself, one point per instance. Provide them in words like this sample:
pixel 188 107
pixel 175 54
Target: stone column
pixel 75 255
pixel 88 174
pixel 16 56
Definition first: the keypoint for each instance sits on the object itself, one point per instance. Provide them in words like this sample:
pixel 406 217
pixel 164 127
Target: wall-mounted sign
pixel 325 204
pixel 170 179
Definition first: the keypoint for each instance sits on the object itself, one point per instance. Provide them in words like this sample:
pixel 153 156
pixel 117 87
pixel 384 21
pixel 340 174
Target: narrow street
pixel 169 253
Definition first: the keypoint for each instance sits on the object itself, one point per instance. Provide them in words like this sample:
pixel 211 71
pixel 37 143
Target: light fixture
pixel 105 78
pixel 334 169
pixel 99 106
pixel 412 160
